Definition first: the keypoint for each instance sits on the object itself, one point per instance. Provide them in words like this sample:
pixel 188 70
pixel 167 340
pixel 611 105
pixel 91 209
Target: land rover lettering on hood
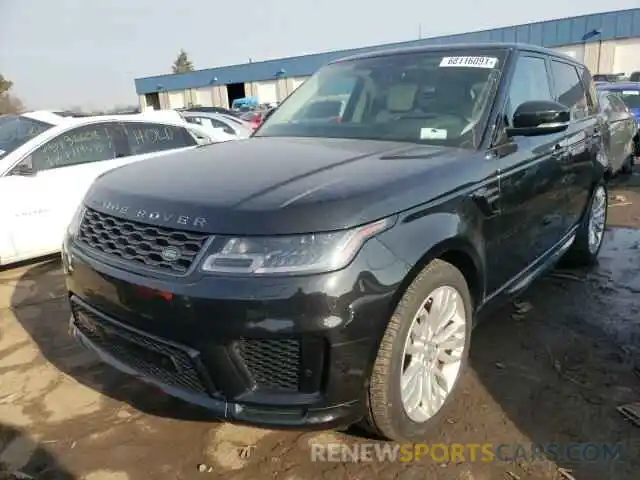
pixel 330 269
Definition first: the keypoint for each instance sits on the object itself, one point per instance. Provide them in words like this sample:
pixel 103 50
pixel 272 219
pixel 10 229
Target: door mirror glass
pixel 24 168
pixel 539 118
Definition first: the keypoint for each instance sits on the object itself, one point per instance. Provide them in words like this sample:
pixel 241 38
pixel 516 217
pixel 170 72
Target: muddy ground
pixel 554 374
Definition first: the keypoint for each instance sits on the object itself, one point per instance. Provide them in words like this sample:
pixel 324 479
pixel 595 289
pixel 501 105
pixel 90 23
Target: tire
pixel 627 166
pixel 583 252
pixel 386 414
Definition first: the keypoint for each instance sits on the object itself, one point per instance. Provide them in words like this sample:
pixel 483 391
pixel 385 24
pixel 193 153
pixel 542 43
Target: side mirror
pixel 24 168
pixel 539 118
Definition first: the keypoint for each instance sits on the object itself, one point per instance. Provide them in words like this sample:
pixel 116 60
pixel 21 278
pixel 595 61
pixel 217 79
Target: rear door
pixel 532 197
pixel 582 139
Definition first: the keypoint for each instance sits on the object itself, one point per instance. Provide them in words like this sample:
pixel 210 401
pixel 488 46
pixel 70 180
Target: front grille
pixel 149 356
pixel 274 364
pixel 140 243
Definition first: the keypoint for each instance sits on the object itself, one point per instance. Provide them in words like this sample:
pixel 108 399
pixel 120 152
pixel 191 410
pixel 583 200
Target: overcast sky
pixel 63 53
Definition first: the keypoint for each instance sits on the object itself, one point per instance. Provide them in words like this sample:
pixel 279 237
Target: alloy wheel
pixel 433 351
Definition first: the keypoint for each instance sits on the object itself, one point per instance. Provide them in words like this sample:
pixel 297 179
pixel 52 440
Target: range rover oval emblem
pixel 170 254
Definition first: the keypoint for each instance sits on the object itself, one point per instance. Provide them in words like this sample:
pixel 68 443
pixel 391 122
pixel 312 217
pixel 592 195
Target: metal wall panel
pixel 267 92
pixel 626 56
pixel 203 97
pixel 176 99
pixel 553 33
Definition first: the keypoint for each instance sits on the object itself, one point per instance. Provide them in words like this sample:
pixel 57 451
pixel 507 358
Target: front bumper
pixel 284 352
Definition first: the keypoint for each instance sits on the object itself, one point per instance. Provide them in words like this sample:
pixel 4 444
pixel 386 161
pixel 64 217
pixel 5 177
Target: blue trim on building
pixel 551 33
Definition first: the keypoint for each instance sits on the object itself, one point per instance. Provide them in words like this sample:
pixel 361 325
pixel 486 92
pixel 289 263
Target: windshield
pixel 16 130
pixel 429 97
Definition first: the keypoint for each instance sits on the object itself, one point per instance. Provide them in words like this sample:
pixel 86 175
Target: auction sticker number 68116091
pixel 475 62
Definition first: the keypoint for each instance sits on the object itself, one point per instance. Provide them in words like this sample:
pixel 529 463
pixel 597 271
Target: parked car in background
pixel 224 111
pixel 325 273
pixel 245 103
pixel 634 77
pixel 609 77
pixel 221 128
pixel 47 163
pixel 619 134
pixel 254 118
pixel 629 94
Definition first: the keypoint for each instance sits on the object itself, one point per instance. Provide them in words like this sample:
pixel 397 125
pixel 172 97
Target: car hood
pixel 275 185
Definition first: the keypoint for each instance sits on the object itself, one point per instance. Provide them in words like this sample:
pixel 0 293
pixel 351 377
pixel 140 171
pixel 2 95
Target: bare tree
pixel 182 63
pixel 8 103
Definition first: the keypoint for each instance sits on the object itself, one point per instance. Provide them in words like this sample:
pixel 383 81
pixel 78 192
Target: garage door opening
pixel 235 91
pixel 153 101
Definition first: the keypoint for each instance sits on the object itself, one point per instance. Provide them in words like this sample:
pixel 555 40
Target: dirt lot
pixel 554 374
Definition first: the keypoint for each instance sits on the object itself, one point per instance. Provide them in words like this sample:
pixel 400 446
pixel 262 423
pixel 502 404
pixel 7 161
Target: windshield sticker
pixel 433 134
pixel 631 92
pixel 477 62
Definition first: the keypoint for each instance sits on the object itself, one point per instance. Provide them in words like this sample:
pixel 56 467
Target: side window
pixel 226 128
pixel 569 89
pixel 617 104
pixel 155 137
pixel 590 90
pixel 530 82
pixel 86 144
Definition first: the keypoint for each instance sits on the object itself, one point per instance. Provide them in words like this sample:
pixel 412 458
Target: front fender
pixel 420 236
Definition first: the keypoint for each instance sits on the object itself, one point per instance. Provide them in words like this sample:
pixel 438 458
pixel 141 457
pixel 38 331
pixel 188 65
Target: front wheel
pixel 586 246
pixel 422 354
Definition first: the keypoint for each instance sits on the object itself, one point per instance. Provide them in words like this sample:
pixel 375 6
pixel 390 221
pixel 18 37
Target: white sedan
pixel 48 162
pixel 220 126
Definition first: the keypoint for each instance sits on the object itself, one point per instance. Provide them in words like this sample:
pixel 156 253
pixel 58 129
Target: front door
pixel 532 197
pixel 62 171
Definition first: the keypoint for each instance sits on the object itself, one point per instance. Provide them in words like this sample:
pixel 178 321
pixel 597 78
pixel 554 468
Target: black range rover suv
pixel 329 270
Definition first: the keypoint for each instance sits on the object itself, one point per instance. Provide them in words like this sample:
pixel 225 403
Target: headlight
pixel 74 224
pixel 311 253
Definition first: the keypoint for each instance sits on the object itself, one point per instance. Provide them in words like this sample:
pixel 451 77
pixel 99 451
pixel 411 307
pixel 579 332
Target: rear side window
pixel 225 128
pixel 155 137
pixel 569 89
pixel 530 83
pixel 203 121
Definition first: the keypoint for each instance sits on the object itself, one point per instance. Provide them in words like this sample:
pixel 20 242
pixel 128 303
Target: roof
pixel 169 116
pixel 47 117
pixel 485 46
pixel 620 86
pixel 551 33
